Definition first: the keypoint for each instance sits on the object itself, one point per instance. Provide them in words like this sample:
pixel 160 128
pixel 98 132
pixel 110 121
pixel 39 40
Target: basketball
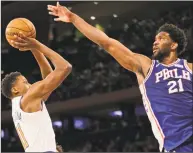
pixel 18 25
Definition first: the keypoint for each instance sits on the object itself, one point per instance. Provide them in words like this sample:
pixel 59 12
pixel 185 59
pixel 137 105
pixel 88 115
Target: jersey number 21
pixel 175 86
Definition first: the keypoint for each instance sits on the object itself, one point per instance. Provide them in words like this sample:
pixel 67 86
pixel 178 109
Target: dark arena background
pixel 98 108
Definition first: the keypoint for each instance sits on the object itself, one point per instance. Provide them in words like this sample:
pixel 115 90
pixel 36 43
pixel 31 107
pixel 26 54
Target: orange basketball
pixel 18 25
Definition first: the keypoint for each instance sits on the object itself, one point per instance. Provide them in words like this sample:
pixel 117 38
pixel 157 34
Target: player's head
pixel 14 84
pixel 169 39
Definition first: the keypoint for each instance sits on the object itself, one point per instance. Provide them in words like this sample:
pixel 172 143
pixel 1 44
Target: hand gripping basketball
pixel 18 25
pixel 23 43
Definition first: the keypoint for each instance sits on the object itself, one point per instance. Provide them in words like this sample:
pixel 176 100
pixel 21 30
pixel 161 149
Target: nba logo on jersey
pixel 179 66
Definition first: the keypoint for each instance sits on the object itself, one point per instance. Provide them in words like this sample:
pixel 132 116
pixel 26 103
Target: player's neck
pixel 17 95
pixel 169 60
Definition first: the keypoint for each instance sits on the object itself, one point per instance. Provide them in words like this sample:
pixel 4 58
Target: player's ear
pixel 174 46
pixel 14 90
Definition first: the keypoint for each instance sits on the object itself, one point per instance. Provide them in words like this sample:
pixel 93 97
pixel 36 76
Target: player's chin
pixel 155 55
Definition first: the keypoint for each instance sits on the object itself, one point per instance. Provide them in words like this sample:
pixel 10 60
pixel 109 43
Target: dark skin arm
pixel 190 66
pixel 137 63
pixel 31 101
pixel 44 65
pixel 59 148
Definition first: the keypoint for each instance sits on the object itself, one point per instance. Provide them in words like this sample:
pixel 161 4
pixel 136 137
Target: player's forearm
pixel 43 63
pixel 89 31
pixel 58 61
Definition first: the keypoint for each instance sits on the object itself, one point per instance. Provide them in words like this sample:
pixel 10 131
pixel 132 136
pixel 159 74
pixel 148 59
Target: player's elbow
pixel 66 69
pixel 107 44
pixel 69 68
pixel 104 43
pixel 65 66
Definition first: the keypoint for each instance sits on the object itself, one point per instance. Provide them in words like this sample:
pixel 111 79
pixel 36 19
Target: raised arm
pixel 44 65
pixel 136 63
pixel 39 89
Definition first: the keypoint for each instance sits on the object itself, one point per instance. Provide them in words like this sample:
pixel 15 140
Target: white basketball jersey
pixel 34 129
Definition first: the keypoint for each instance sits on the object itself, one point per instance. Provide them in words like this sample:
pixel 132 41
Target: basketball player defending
pixel 30 116
pixel 165 82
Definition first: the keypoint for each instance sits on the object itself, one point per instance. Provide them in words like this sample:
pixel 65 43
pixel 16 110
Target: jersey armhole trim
pixel 149 72
pixel 32 112
pixel 20 104
pixel 186 66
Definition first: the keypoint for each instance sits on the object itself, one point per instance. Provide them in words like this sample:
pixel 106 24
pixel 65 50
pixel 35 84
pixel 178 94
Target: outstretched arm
pixel 137 63
pixel 44 65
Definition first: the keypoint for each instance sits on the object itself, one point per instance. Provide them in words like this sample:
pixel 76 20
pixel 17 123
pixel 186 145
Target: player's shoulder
pixel 30 102
pixel 30 95
pixel 16 101
pixel 145 62
pixel 145 65
pixel 190 65
pixel 143 59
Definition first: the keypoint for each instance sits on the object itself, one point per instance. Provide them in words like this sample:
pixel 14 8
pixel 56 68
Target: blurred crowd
pixel 99 136
pixel 94 70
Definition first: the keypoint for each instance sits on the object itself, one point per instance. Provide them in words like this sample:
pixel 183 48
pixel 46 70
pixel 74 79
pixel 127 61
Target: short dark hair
pixel 8 82
pixel 176 34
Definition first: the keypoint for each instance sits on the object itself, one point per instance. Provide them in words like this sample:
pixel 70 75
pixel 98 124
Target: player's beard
pixel 161 54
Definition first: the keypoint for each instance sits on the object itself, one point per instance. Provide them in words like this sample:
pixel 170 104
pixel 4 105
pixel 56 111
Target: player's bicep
pixel 46 96
pixel 145 63
pixel 128 59
pixel 50 83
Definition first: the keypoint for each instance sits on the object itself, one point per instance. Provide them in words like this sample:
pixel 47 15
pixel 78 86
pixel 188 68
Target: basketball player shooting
pixel 165 81
pixel 30 115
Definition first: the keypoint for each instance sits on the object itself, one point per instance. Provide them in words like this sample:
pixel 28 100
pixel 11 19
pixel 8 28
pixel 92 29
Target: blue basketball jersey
pixel 168 100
